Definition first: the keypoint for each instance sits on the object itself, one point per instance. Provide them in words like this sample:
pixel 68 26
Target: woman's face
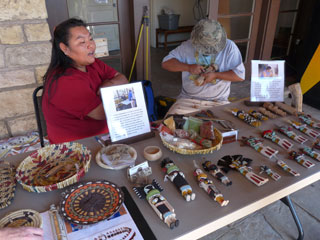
pixel 81 47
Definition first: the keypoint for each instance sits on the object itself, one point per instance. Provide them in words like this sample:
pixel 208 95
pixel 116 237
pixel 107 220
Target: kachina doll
pixel 308 120
pixel 316 144
pixel 311 153
pixel 158 203
pixel 282 142
pixel 286 168
pixel 207 185
pixel 245 117
pixel 177 177
pixel 215 171
pixel 272 174
pixel 299 158
pixel 288 131
pixel 241 164
pixel 256 143
pixel 303 128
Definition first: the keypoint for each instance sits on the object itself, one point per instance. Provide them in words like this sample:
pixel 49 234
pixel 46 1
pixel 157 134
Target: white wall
pixel 182 7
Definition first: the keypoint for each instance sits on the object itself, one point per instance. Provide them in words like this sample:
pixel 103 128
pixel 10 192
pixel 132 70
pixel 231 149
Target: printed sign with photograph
pixel 125 110
pixel 267 81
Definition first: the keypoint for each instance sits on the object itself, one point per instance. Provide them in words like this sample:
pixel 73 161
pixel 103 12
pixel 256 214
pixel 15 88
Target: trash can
pixel 169 21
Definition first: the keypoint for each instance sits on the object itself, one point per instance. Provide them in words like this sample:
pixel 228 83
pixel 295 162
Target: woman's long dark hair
pixel 59 61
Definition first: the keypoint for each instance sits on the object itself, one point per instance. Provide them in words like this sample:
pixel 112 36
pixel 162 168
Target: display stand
pixel 132 139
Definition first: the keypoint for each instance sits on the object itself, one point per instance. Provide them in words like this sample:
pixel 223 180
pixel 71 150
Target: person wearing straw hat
pixel 209 62
pixel 21 233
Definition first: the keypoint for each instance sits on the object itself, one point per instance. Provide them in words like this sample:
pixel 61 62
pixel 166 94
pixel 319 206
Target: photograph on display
pixel 124 99
pixel 267 81
pixel 268 70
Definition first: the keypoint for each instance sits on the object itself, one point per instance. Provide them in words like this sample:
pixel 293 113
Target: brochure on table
pixel 119 226
pixel 267 81
pixel 125 110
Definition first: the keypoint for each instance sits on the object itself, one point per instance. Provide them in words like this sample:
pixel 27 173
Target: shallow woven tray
pixel 7 184
pixel 217 143
pixel 71 159
pixel 91 202
pixel 22 218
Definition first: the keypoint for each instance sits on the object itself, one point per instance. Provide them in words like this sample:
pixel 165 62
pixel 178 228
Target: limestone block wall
pixel 25 52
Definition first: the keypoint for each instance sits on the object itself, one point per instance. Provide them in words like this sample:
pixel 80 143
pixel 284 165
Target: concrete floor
pixel 274 221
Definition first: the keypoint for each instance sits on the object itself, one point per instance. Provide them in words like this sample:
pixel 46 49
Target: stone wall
pixel 25 53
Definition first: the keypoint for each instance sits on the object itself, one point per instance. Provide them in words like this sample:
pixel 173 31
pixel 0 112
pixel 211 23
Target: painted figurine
pixel 286 168
pixel 303 128
pixel 207 185
pixel 282 142
pixel 215 171
pixel 256 143
pixel 177 177
pixel 275 176
pixel 308 120
pixel 258 115
pixel 311 153
pixel 158 203
pixel 288 131
pixel 245 117
pixel 299 158
pixel 316 144
pixel 241 164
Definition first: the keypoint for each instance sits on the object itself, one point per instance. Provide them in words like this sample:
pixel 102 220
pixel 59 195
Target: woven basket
pixel 7 184
pixel 22 218
pixel 216 146
pixel 53 167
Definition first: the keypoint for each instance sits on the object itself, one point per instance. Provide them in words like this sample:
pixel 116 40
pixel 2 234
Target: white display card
pixel 125 110
pixel 267 81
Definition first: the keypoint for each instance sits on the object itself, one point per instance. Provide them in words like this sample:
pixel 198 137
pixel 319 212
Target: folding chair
pixel 42 127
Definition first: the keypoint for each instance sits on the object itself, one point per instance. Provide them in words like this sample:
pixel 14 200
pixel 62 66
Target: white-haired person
pixel 209 62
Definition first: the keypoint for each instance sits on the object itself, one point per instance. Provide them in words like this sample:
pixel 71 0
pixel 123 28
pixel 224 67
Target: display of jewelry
pixel 177 177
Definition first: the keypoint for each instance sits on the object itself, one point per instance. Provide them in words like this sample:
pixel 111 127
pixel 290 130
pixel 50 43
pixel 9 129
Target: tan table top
pixel 203 215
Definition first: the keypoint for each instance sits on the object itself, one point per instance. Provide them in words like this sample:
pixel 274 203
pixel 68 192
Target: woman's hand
pixel 21 233
pixel 195 69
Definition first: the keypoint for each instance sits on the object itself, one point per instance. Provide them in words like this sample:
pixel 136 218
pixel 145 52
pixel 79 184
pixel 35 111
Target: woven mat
pixel 20 144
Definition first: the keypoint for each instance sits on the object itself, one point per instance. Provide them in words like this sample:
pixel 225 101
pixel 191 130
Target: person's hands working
pixel 21 233
pixel 227 76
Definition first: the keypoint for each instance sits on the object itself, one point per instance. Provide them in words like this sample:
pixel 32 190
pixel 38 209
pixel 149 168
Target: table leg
pixel 157 40
pixel 287 201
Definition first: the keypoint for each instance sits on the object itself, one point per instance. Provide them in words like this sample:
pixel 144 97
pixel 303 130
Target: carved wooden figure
pixel 266 112
pixel 241 164
pixel 207 185
pixel 158 203
pixel 311 153
pixel 275 176
pixel 245 117
pixel 215 171
pixel 286 168
pixel 303 128
pixel 256 143
pixel 274 109
pixel 258 115
pixel 177 177
pixel 308 120
pixel 288 131
pixel 299 158
pixel 282 142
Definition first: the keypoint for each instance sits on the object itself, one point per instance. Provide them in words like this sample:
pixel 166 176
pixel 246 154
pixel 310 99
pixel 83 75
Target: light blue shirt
pixel 228 59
